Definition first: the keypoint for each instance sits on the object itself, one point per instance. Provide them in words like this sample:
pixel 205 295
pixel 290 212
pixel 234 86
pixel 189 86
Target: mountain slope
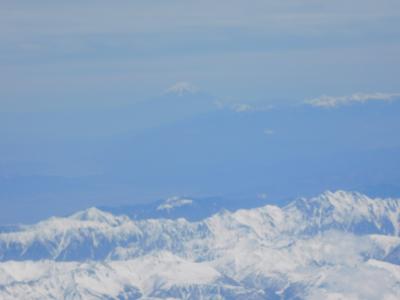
pixel 326 246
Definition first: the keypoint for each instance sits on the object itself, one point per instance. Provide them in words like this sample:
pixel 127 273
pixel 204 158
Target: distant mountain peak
pixel 174 202
pixel 182 88
pixel 96 215
pixel 329 198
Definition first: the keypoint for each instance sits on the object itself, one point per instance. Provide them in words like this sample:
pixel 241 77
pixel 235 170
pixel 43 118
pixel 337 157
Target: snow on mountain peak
pixel 174 202
pixel 96 215
pixel 308 249
pixel 350 211
pixel 181 88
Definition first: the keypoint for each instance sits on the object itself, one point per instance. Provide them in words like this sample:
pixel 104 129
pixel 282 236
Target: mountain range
pixel 338 245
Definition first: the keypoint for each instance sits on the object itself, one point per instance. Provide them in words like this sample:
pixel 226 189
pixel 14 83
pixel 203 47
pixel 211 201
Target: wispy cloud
pixel 332 101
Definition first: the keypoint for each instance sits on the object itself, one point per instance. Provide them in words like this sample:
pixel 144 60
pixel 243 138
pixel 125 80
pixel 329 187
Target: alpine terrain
pixel 339 245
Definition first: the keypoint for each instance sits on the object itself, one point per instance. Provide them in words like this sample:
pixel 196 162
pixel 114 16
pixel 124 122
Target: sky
pixel 109 103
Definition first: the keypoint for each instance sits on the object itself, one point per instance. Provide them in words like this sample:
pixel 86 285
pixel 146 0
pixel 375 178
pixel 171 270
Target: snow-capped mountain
pixel 318 248
pixel 181 88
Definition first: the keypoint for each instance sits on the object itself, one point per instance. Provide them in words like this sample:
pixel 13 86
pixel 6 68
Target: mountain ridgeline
pixel 308 249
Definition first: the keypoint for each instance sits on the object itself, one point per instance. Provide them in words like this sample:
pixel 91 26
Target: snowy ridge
pixel 315 248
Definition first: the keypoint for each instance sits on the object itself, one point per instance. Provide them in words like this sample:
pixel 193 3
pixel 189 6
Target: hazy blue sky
pixel 277 97
pixel 71 54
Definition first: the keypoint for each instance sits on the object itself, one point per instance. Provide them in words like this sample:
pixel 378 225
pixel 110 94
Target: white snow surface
pixel 338 245
pixel 174 202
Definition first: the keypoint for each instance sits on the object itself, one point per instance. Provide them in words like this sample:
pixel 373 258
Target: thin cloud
pixel 332 101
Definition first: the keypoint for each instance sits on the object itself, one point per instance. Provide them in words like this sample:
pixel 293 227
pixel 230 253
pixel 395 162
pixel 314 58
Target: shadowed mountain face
pixel 308 249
